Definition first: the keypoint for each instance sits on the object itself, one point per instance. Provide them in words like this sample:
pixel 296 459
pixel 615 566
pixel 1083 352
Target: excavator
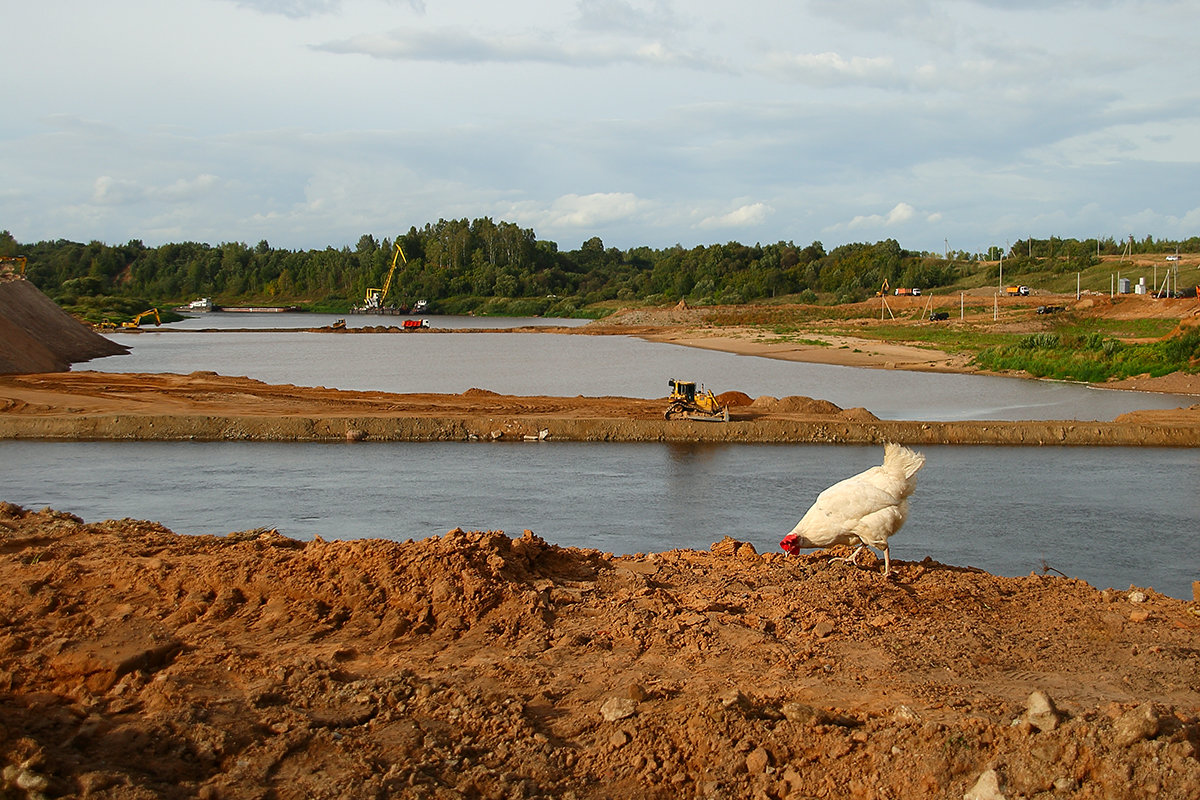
pixel 137 321
pixel 375 297
pixel 686 403
pixel 14 264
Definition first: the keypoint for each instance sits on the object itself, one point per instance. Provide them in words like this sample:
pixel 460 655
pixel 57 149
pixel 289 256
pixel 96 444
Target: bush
pixel 1039 341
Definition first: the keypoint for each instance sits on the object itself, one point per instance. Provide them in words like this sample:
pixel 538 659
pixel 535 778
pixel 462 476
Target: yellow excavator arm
pixel 137 321
pixel 375 297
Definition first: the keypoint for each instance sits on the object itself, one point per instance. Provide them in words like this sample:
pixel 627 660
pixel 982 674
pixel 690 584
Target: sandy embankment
pixel 91 405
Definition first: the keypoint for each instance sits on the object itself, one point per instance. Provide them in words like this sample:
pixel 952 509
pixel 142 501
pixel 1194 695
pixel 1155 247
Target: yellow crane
pixel 375 297
pixel 137 321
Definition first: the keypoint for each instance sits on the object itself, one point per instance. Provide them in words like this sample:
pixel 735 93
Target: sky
pixel 943 124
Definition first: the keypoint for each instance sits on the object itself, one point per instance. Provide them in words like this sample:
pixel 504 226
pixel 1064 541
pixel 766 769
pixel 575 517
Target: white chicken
pixel 864 510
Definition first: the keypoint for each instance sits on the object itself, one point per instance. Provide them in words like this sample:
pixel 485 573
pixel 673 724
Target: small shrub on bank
pixel 1093 357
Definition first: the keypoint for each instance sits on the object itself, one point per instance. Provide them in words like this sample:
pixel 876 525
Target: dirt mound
pixel 794 404
pixel 859 414
pixel 473 392
pixel 734 399
pixel 138 663
pixel 38 336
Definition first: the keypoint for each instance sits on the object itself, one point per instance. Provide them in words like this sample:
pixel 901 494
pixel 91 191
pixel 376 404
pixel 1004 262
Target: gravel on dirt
pixel 138 663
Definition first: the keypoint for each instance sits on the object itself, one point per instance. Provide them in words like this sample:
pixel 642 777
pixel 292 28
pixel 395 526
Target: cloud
pixel 295 9
pixel 299 9
pixel 574 211
pixel 831 69
pixel 457 45
pixel 900 214
pixel 618 16
pixel 747 215
pixel 110 191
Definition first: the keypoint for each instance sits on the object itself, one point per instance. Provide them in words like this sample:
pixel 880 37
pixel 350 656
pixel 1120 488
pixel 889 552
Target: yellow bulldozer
pixel 686 402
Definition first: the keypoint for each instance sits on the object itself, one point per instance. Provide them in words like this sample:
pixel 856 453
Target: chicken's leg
pixel 852 558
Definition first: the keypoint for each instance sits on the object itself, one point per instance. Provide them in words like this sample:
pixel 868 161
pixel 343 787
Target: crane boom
pixel 374 298
pixel 388 283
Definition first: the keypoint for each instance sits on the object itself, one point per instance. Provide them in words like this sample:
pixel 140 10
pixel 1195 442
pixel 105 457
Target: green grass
pixel 1091 350
pixel 1093 357
pixel 784 337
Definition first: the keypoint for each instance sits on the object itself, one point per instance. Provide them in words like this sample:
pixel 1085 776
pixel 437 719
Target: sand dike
pixel 137 663
pixel 38 336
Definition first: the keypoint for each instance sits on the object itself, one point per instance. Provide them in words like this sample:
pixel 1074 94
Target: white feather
pixel 865 509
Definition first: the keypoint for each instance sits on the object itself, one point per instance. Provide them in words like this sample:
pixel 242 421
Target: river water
pixel 1112 516
pixel 557 365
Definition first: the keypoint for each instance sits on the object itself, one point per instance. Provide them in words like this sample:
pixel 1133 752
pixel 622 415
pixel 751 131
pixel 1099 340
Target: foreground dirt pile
pixel 137 663
pixel 38 336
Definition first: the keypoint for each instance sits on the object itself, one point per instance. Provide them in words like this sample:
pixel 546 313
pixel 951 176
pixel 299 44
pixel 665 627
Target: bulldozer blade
pixel 722 417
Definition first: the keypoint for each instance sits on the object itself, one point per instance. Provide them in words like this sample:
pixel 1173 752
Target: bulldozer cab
pixel 682 390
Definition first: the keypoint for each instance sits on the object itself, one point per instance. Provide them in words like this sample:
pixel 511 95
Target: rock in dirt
pixel 986 788
pixel 1136 725
pixel 1040 712
pixel 618 708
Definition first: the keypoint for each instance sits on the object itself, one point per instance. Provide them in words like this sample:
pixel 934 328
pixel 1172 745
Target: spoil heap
pixel 137 663
pixel 38 336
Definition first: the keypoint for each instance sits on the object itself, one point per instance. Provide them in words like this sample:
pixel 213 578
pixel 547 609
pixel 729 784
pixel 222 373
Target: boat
pixel 420 307
pixel 203 304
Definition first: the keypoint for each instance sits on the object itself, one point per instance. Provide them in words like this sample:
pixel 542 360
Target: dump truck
pixel 686 402
pixel 1017 291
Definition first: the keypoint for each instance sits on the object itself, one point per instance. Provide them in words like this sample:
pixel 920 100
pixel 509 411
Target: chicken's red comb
pixel 791 544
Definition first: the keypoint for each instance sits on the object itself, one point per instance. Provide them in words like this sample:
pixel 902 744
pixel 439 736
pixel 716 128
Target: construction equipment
pixel 375 297
pixel 14 264
pixel 1016 291
pixel 137 321
pixel 686 403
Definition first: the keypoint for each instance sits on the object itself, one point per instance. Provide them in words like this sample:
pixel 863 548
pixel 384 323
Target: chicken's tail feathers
pixel 897 456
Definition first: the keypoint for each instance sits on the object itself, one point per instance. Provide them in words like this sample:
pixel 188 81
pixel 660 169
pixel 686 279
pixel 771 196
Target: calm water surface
pixel 1112 516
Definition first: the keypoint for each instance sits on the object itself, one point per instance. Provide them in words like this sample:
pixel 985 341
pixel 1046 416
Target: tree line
pixel 461 266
